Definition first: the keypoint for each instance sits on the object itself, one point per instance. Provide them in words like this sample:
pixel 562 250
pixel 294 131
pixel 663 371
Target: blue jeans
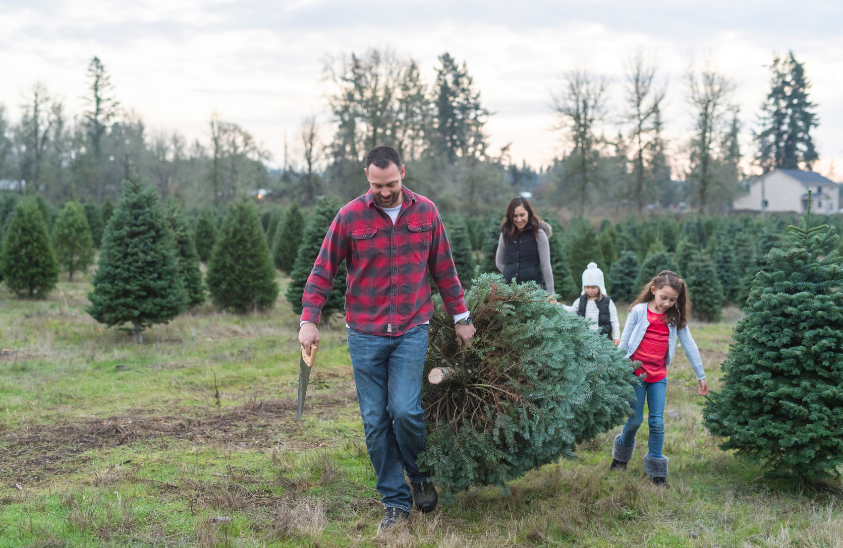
pixel 388 373
pixel 654 392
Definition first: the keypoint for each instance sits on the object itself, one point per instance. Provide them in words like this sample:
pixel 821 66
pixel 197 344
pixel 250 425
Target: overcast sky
pixel 259 63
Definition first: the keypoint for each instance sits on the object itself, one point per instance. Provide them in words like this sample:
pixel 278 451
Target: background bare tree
pixel 309 135
pixel 709 93
pixel 643 101
pixel 580 106
pixel 102 109
pixel 34 133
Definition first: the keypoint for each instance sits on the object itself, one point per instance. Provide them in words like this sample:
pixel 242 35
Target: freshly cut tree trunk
pixel 439 375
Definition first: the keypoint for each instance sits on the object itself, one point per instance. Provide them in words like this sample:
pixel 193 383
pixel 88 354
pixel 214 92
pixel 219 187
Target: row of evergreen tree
pixel 718 257
pixel 149 268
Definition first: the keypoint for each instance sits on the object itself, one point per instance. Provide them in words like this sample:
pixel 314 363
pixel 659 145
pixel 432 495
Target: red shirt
pixel 652 352
pixel 387 288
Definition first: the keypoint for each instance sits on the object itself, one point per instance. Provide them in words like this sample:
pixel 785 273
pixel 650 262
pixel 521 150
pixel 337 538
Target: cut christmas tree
pixel 535 382
pixel 782 396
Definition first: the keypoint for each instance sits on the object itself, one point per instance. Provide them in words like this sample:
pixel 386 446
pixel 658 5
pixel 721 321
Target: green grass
pixel 108 443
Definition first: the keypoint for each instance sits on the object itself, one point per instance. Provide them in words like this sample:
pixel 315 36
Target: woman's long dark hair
pixel 678 314
pixel 508 228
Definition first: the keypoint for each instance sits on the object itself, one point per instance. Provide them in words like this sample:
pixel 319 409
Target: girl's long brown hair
pixel 508 228
pixel 678 314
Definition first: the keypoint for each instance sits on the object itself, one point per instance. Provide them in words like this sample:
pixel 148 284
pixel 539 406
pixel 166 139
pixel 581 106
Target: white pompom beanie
pixel 593 276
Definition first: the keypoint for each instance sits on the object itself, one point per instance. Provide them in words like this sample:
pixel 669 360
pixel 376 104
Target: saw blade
pixel 305 363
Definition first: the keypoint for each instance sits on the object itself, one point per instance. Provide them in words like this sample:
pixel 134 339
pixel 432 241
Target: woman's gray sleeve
pixel 499 255
pixel 544 259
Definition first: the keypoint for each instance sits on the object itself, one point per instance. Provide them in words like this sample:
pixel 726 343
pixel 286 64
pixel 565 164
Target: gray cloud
pixel 260 61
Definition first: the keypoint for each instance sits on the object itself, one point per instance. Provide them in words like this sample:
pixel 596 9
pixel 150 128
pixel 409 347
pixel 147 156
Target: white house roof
pixel 807 177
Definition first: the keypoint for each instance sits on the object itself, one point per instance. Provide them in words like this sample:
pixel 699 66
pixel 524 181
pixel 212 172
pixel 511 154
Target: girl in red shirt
pixel 656 319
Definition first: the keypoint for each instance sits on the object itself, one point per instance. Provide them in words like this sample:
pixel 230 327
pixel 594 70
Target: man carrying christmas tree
pixel 390 238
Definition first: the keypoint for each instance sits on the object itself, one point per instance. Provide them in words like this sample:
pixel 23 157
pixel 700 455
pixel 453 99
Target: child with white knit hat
pixel 596 305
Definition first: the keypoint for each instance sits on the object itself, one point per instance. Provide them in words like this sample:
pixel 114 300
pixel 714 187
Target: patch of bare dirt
pixel 30 453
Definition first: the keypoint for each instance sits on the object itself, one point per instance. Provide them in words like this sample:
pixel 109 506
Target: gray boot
pixel 656 469
pixel 620 454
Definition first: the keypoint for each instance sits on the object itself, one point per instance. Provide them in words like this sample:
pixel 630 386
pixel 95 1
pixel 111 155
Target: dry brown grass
pixel 105 516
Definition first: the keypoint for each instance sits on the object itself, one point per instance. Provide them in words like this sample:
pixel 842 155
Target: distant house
pixel 787 190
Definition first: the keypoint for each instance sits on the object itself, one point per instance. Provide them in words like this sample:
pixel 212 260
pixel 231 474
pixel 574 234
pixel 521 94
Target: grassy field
pixel 190 439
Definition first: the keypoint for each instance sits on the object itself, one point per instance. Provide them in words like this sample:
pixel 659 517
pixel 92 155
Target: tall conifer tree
pixel 314 234
pixel 563 281
pixel 94 216
pixel 727 268
pixel 583 248
pixel 606 241
pixel 460 242
pixel 205 235
pixel 107 211
pixel 137 280
pixel 685 254
pixel 653 264
pixel 72 239
pixel 781 397
pixel 624 277
pixel 241 275
pixel 188 258
pixel 29 264
pixel 705 289
pixel 490 247
pixel 785 141
pixel 288 238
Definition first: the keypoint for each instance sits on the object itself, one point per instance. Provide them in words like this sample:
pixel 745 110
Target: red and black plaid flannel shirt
pixel 387 289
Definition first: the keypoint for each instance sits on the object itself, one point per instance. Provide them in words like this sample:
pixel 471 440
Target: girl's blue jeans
pixel 388 374
pixel 654 393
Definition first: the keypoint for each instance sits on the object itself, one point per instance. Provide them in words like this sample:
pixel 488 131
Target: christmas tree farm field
pixel 190 439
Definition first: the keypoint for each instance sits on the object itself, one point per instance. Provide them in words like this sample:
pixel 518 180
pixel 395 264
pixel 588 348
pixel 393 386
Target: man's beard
pixel 390 202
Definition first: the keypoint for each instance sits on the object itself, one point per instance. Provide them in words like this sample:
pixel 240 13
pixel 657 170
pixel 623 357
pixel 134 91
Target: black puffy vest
pixel 604 321
pixel 521 256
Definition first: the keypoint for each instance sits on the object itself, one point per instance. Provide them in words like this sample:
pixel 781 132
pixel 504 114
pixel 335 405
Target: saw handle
pixel 309 360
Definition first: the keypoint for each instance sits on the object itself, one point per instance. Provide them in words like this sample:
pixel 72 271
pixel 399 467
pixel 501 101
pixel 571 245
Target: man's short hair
pixel 382 156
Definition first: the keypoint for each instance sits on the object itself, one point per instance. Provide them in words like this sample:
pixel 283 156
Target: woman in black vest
pixel 523 249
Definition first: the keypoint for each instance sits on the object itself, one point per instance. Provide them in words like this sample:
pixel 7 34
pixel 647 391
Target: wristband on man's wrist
pixel 464 321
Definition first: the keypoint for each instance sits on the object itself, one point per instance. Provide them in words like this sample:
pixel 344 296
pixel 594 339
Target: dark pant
pixel 388 373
